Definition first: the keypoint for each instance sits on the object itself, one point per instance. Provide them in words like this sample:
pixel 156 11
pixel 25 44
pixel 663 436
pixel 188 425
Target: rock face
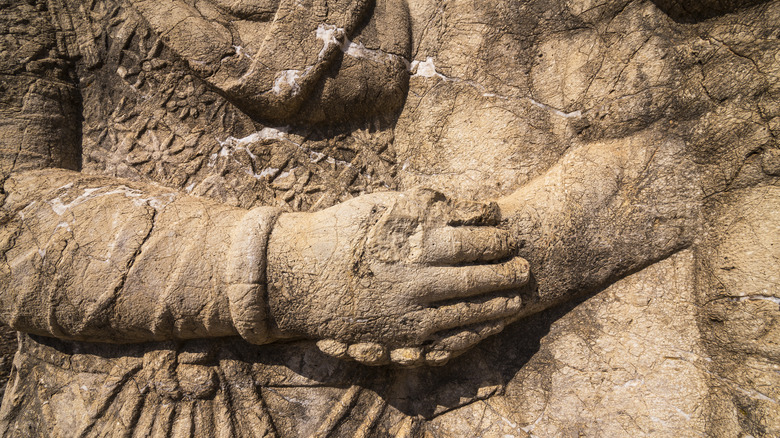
pixel 313 218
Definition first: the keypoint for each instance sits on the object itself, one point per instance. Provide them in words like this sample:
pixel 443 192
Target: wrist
pixel 288 276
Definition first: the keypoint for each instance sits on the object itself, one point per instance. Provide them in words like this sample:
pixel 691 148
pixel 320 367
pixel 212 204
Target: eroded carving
pixel 225 189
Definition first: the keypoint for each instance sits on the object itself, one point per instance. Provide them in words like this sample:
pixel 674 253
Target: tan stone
pixel 211 217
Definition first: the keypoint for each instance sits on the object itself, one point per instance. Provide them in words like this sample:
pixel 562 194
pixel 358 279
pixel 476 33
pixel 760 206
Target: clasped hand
pixel 405 278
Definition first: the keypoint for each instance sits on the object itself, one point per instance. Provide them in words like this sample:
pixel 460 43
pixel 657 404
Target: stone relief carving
pixel 211 222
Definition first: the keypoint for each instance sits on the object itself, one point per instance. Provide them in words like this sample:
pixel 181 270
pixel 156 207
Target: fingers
pixel 443 283
pixel 445 346
pixel 373 354
pixel 367 353
pixel 468 313
pixel 334 348
pixel 455 328
pixel 454 245
pixel 408 357
pixel 458 341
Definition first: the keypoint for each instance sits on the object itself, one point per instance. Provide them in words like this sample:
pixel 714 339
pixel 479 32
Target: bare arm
pixel 605 210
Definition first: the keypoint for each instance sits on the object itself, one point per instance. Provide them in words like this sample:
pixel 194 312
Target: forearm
pixel 101 259
pixel 603 211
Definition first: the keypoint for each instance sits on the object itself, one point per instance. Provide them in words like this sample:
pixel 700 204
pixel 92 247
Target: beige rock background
pixel 681 340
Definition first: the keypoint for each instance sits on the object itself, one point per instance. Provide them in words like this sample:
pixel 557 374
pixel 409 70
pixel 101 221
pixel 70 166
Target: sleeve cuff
pixel 245 277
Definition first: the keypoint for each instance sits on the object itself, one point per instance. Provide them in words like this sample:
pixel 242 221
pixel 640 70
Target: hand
pixel 408 278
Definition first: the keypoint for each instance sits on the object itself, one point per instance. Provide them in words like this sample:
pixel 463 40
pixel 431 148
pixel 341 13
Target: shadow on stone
pixel 693 11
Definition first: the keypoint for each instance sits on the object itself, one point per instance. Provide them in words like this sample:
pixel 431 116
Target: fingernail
pixel 520 270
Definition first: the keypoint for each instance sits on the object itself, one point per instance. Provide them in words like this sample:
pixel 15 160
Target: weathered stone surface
pixel 211 219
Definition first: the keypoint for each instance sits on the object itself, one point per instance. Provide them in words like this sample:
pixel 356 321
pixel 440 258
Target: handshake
pixel 407 278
